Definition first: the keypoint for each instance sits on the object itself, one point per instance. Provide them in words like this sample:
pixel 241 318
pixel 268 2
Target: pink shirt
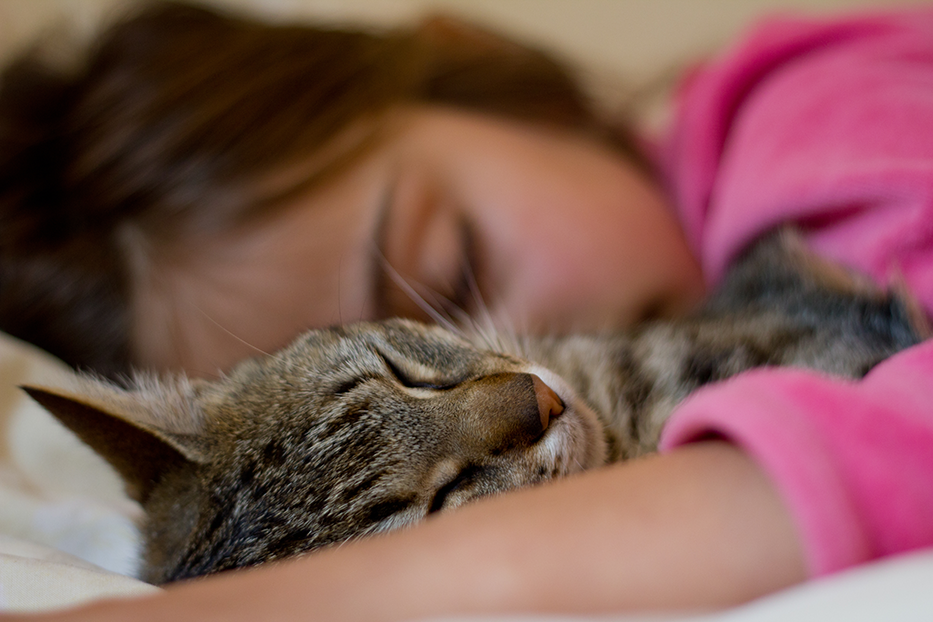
pixel 829 125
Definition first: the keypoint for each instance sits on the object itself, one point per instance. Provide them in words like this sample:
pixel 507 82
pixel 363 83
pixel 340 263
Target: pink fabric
pixel 829 125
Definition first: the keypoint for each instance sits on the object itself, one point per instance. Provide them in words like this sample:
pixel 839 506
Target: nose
pixel 549 403
pixel 508 409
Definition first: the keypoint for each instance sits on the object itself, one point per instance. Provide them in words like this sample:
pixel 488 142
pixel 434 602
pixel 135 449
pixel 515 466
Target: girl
pixel 210 229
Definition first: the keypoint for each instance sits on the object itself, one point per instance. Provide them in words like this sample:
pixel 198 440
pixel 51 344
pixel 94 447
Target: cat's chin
pixel 577 433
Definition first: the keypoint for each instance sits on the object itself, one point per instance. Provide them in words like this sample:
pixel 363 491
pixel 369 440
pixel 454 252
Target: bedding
pixel 66 529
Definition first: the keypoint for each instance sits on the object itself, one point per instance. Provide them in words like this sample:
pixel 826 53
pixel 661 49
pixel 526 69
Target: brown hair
pixel 177 120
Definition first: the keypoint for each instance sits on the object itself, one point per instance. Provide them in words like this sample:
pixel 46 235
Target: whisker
pixel 402 283
pixel 478 300
pixel 482 328
pixel 518 339
pixel 339 281
pixel 230 332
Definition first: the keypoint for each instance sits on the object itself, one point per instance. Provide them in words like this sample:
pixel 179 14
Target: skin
pixel 700 527
pixel 625 547
pixel 565 234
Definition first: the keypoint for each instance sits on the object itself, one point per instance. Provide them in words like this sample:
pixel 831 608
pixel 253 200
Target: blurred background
pixel 628 52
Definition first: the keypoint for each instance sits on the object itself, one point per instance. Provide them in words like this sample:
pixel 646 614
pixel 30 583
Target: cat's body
pixel 778 306
pixel 365 428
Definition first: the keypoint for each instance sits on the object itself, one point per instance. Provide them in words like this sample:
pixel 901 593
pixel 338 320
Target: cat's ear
pixel 127 430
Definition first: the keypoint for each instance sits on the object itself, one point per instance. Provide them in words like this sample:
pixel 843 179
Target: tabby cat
pixel 360 429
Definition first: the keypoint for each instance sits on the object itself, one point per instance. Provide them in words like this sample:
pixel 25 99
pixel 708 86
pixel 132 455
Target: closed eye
pixel 407 381
pixel 465 297
pixel 465 476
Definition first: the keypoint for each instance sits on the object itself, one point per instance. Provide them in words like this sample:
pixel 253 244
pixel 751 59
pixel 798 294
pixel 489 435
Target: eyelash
pixel 466 295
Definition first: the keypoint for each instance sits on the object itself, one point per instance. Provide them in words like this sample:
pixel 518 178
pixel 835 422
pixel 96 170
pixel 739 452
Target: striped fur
pixel 370 427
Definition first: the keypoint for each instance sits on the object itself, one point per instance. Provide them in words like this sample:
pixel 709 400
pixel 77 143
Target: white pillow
pixel 54 490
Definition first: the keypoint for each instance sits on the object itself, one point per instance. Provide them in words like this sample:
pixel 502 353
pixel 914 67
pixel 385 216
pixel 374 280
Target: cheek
pixel 585 256
pixel 252 293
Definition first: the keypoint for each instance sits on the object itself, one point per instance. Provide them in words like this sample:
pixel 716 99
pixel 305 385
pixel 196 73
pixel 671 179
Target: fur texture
pixel 370 427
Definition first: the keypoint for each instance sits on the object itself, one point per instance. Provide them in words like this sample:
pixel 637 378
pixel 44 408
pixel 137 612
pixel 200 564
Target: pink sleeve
pixel 825 124
pixel 854 460
pixel 829 125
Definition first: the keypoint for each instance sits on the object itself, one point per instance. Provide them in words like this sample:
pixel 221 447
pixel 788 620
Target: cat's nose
pixel 549 403
pixel 506 409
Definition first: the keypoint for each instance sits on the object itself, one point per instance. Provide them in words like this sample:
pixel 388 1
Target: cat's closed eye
pixel 412 380
pixel 461 479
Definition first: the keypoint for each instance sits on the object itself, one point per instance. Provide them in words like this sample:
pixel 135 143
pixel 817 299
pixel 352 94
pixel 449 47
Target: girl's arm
pixel 699 527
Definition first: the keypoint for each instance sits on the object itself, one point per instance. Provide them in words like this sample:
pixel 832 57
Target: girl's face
pixel 542 230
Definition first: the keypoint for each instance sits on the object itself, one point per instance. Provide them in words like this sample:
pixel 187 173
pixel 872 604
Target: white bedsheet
pixel 67 531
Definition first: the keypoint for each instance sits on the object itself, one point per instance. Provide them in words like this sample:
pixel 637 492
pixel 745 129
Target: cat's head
pixel 348 431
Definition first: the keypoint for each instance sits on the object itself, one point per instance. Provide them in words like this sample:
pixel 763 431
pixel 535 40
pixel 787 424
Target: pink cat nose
pixel 549 404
